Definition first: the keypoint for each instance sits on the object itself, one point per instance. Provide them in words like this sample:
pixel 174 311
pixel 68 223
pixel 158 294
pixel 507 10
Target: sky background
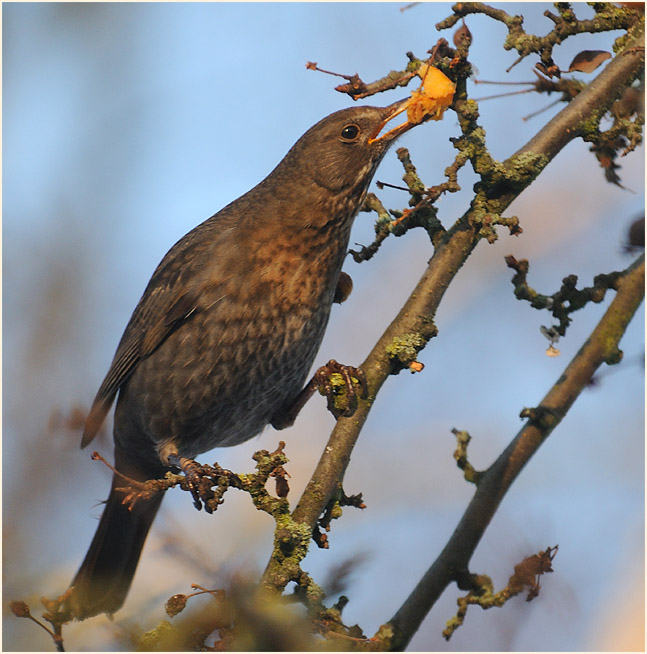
pixel 125 125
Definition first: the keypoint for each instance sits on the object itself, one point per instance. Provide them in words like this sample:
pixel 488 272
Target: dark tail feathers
pixel 103 580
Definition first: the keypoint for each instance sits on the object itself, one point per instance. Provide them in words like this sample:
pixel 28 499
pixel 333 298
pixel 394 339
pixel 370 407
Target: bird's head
pixel 343 150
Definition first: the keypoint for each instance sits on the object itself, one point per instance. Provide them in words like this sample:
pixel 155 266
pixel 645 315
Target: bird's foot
pixel 133 490
pixel 199 481
pixel 339 383
pixel 334 380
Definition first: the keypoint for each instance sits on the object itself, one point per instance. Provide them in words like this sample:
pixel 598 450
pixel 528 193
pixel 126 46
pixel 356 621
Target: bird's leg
pixel 287 414
pixel 324 382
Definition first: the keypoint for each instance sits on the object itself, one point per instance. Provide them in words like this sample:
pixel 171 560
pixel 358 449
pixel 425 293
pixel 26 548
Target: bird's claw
pixel 334 380
pixel 340 391
pixel 198 481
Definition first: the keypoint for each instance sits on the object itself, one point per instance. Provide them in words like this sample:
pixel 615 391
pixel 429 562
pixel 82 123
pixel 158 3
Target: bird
pixel 221 342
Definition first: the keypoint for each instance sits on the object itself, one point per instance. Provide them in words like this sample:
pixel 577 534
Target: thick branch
pixel 453 561
pixel 416 316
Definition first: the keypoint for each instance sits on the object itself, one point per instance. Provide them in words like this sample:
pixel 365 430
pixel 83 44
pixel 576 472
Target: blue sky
pixel 124 125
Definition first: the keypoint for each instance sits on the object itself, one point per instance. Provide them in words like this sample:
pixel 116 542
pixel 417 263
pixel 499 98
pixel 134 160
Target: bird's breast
pixel 247 349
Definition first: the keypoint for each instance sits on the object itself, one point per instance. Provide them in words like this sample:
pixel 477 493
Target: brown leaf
pixel 527 573
pixel 461 34
pixel 588 60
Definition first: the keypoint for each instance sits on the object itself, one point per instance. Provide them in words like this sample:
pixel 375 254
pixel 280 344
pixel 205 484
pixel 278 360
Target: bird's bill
pixel 395 110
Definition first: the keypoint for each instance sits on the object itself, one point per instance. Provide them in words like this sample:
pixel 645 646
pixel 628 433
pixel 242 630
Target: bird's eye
pixel 350 132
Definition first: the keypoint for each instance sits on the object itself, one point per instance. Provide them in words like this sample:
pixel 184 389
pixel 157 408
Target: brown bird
pixel 227 329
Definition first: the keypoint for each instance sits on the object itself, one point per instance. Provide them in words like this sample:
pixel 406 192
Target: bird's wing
pixel 169 300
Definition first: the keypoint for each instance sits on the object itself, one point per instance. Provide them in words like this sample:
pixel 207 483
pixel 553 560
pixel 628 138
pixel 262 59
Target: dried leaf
pixel 461 34
pixel 527 573
pixel 588 60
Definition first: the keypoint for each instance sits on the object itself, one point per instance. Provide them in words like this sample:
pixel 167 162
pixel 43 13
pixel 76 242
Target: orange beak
pixel 394 110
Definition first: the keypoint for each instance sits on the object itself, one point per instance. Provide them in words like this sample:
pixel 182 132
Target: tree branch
pixel 492 485
pixel 416 316
pixel 587 106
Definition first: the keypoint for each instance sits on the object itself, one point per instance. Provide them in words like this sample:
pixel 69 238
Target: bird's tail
pixel 102 582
